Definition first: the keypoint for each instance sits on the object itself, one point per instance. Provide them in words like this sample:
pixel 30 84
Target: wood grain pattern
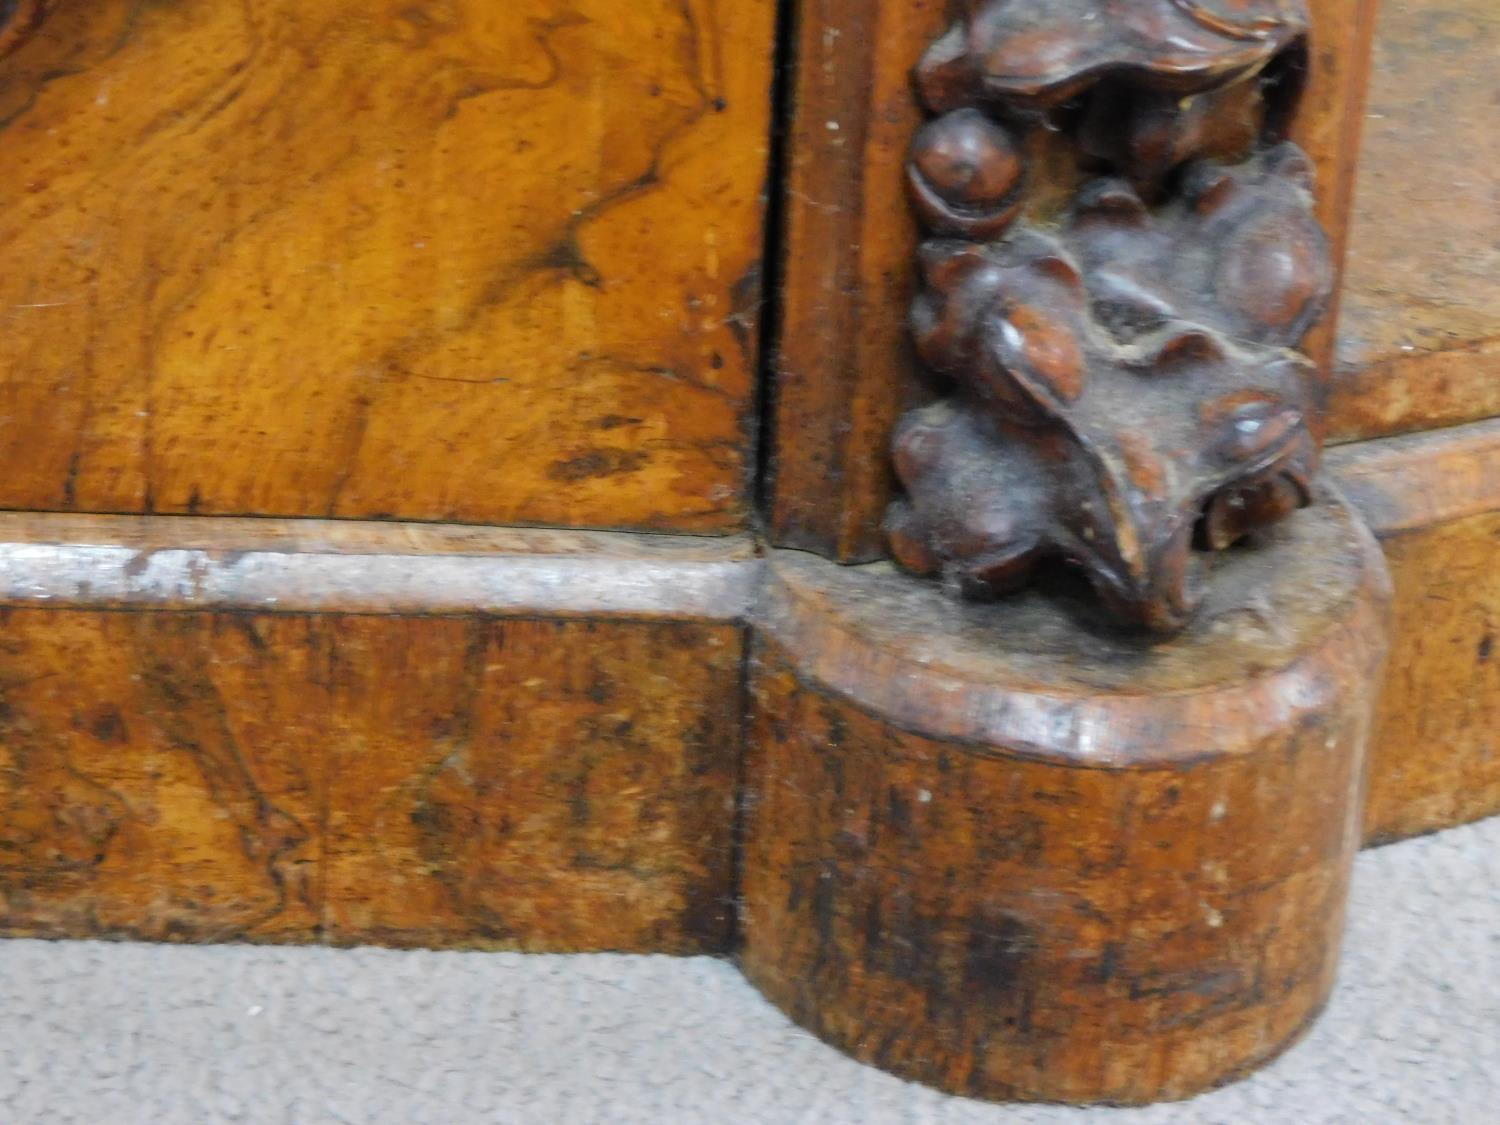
pixel 1434 500
pixel 1435 757
pixel 155 776
pixel 405 779
pixel 534 785
pixel 19 20
pixel 1013 931
pixel 1086 874
pixel 1419 341
pixel 1331 129
pixel 159 776
pixel 1416 481
pixel 444 259
pixel 844 369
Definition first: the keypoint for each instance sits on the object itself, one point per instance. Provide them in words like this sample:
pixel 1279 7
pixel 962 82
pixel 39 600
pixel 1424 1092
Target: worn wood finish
pixel 345 566
pixel 298 620
pixel 1000 852
pixel 447 260
pixel 185 757
pixel 1416 481
pixel 450 781
pixel 1434 501
pixel 377 626
pixel 535 785
pixel 1419 341
pixel 845 369
pixel 1436 753
pixel 160 776
pixel 1331 129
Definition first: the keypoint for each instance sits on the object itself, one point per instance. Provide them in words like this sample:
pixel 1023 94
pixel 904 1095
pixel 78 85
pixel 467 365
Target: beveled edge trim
pixel 1414 481
pixel 1092 730
pixel 189 563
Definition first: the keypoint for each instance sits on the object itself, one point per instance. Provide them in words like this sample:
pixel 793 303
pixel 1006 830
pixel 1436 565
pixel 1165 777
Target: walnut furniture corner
pixel 880 491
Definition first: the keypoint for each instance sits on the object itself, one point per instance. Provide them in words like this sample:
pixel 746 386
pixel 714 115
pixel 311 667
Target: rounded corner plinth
pixel 1006 852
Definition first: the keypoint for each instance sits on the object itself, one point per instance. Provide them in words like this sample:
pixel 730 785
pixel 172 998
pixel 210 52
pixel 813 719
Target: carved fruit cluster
pixel 1122 391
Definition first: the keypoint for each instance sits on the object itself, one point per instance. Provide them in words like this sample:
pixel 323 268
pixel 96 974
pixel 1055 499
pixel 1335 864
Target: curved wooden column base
pixel 1012 855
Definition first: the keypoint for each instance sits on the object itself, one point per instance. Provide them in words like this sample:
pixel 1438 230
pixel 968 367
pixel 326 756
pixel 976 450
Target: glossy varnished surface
pixel 473 261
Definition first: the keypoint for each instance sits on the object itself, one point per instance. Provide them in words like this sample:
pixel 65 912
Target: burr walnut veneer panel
pixel 439 259
pixel 311 764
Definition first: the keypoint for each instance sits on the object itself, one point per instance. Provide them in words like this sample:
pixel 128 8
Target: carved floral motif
pixel 1122 391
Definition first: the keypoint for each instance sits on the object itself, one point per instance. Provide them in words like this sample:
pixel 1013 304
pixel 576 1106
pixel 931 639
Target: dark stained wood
pixel 845 370
pixel 1330 128
pixel 19 20
pixel 1121 389
pixel 1434 500
pixel 458 260
pixel 997 851
pixel 1419 340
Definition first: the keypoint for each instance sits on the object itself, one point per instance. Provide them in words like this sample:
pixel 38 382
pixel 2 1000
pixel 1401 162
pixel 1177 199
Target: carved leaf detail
pixel 1121 389
pixel 1037 53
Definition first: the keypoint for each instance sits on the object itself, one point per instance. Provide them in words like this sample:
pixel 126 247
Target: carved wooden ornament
pixel 1119 385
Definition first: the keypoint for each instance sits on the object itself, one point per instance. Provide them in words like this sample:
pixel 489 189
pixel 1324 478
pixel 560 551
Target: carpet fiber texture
pixel 119 1034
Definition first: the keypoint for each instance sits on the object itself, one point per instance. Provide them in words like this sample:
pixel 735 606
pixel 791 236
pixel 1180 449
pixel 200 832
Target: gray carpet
pixel 119 1034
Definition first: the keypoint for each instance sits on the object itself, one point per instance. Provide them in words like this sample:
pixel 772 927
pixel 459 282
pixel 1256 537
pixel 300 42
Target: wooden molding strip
pixel 321 566
pixel 1417 480
pixel 1008 679
pixel 1398 484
